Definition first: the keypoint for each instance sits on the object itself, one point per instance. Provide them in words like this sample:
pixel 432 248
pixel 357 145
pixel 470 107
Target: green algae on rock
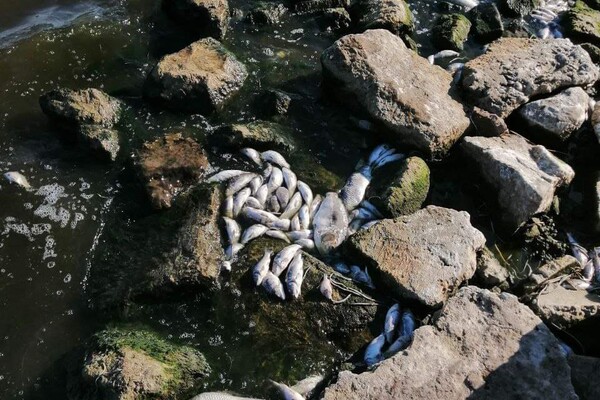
pixel 393 15
pixel 451 31
pixel 583 23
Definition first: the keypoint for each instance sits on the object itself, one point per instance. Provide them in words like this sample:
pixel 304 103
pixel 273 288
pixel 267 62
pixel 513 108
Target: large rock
pixel 375 72
pixel 555 118
pixel 451 31
pixel 583 23
pixel 169 165
pixel 564 308
pixel 393 15
pixel 486 22
pixel 424 256
pixel 480 346
pixel 103 141
pixel 201 77
pixel 524 176
pixel 205 17
pixel 514 70
pixel 261 135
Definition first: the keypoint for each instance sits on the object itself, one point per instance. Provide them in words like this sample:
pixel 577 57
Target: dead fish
pixel 355 188
pixel 326 288
pixel 286 392
pixel 295 275
pixel 254 203
pixel 389 159
pixel 355 226
pixel 368 225
pixel 283 196
pixel 307 244
pixel 259 216
pixel 275 180
pixel 366 204
pixel 232 250
pixel 307 386
pixel 275 158
pixel 290 179
pixel 377 153
pixel 238 183
pixel 283 258
pixel 227 208
pixel 341 267
pixel 273 285
pixel 314 206
pixel 273 205
pixel 446 53
pixel 281 224
pixel 240 200
pixel 362 213
pixel 579 252
pixel 253 232
pixel 226 266
pixel 220 396
pixel 295 223
pixel 277 234
pixel 252 155
pixel 577 284
pixel 467 4
pixel 261 194
pixel 267 171
pixel 330 224
pixel 262 267
pixel 588 271
pixel 17 178
pixel 304 217
pixel 225 175
pixel 306 192
pixel 373 352
pixel 299 234
pixel 255 184
pixel 360 276
pixel 233 230
pixel 405 335
pixel 391 322
pixel 595 256
pixel 293 206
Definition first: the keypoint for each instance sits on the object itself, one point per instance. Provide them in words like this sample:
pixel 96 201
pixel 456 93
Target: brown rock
pixel 582 369
pixel 488 124
pixel 564 307
pixel 489 270
pixel 77 108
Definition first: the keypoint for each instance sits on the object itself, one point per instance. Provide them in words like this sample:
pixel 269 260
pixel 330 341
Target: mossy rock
pixel 134 362
pixel 451 31
pixel 519 7
pixel 486 22
pixel 393 15
pixel 582 23
pixel 266 14
pixel 401 191
pixel 261 135
pixel 593 51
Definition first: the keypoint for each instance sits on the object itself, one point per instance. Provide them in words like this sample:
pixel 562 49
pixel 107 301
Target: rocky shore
pixel 514 115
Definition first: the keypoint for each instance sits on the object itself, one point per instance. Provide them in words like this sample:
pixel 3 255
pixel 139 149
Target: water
pixel 49 235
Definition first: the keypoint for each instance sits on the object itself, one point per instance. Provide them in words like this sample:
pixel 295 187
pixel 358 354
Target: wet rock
pixel 595 119
pixel 488 124
pixel 375 72
pixel 524 176
pixel 168 166
pixel 201 77
pixel 548 271
pixel 489 270
pixel 555 118
pixel 582 368
pixel 401 190
pixel 483 346
pixel 261 135
pixel 424 256
pixel 305 6
pixel 514 70
pixel 103 141
pixel 266 14
pixel 273 103
pixel 593 51
pixel 393 15
pixel 583 23
pixel 451 31
pixel 133 363
pixel 205 17
pixel 520 7
pixel 486 22
pixel 541 235
pixel 563 307
pixel 335 19
pixel 76 108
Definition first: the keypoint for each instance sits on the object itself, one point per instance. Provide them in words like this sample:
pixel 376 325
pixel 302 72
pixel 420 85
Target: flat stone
pixel 558 116
pixel 393 15
pixel 376 73
pixel 582 368
pixel 488 124
pixel 480 346
pixel 564 307
pixel 514 70
pixel 524 176
pixel 201 77
pixel 424 256
pixel 205 17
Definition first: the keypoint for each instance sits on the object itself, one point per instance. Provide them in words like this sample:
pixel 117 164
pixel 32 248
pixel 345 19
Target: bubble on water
pixel 67 278
pixel 28 206
pixel 49 248
pixel 77 217
pixel 39 229
pixel 60 292
pixel 51 264
pixel 216 340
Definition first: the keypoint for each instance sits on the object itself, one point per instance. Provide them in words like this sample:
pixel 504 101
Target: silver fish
pixel 579 252
pixel 273 285
pixel 366 204
pixel 238 183
pixel 261 194
pixel 306 192
pixel 17 178
pixel 391 322
pixel 377 153
pixel 290 179
pixel 389 159
pixel 304 217
pixel 227 208
pixel 262 267
pixel 283 258
pixel 255 183
pixel 355 188
pixel 341 267
pixel 295 275
pixel 295 223
pixel 253 232
pixel 369 224
pixel 360 276
pixel 226 266
pixel 307 244
pixel 220 396
pixel 307 386
pixel 286 392
pixel 595 256
pixel 362 213
pixel 314 206
pixel 259 216
pixel 405 335
pixel 355 225
pixel 273 205
pixel 254 203
pixel 267 171
pixel 281 224
pixel 277 234
pixel 299 234
pixel 293 206
pixel 588 271
pixel 326 288
pixel 283 196
pixel 330 224
pixel 577 284
pixel 275 158
pixel 373 352
pixel 240 200
pixel 233 249
pixel 447 53
pixel 252 154
pixel 275 180
pixel 233 230
pixel 225 175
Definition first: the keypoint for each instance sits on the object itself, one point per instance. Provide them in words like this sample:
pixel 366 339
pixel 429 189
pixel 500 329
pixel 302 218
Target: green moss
pixel 451 31
pixel 582 23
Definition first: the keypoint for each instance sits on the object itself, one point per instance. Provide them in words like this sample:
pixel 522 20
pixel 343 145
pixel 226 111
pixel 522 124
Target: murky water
pixel 48 234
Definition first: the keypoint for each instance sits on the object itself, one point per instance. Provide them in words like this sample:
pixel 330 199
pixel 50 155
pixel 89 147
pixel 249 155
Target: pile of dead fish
pixel 397 334
pixel 275 203
pixel 590 266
